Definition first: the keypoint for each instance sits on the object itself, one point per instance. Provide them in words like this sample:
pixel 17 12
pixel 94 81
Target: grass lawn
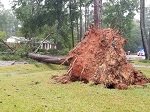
pixel 28 88
pixel 141 62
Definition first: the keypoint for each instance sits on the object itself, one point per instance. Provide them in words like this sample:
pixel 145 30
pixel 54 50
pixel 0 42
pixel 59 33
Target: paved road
pixel 140 66
pixel 134 57
pixel 7 63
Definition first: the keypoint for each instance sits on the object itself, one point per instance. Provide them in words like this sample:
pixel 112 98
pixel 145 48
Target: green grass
pixel 29 88
pixel 141 62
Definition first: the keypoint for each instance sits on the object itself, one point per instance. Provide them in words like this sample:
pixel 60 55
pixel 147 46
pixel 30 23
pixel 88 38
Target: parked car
pixel 128 53
pixel 141 52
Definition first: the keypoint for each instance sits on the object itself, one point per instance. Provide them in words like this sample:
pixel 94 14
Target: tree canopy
pixel 8 22
pixel 35 15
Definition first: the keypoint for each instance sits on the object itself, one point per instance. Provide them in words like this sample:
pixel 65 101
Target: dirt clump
pixel 100 58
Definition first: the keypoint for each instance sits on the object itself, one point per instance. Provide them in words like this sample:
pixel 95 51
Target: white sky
pixel 137 16
pixel 6 3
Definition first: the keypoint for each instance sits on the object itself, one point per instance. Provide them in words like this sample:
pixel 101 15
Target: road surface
pixel 135 57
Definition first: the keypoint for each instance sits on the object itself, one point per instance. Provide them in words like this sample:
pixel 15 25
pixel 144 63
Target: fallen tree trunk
pixel 47 59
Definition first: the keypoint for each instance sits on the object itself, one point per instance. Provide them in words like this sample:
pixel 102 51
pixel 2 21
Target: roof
pixel 15 39
pixel 51 41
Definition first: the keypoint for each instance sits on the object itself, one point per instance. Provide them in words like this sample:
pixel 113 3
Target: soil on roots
pixel 100 58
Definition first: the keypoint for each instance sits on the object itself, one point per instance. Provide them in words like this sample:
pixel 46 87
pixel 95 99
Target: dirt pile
pixel 100 58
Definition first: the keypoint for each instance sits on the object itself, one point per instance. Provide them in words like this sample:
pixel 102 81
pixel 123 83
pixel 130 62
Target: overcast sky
pixel 6 3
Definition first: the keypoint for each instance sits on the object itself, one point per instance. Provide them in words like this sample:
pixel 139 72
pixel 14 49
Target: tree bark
pixel 85 17
pixel 96 14
pixel 59 14
pixel 78 34
pixel 77 24
pixel 149 40
pixel 100 13
pixel 59 18
pixel 143 29
pixel 70 9
pixel 48 59
pixel 88 18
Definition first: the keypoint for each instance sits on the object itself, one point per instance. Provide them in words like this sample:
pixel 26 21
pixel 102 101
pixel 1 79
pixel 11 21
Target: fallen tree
pixel 47 59
pixel 100 58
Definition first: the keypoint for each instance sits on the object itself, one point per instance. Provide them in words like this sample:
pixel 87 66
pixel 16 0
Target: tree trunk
pixel 70 9
pixel 143 29
pixel 78 33
pixel 149 41
pixel 101 12
pixel 96 13
pixel 77 24
pixel 47 59
pixel 59 18
pixel 59 14
pixel 88 18
pixel 85 17
pixel 80 21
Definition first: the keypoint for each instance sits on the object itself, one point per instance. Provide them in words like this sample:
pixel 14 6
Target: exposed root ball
pixel 100 58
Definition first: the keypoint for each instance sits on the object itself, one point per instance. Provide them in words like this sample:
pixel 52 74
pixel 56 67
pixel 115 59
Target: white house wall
pixel 11 40
pixel 46 46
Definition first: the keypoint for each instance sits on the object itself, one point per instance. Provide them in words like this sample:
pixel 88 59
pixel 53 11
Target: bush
pixel 42 51
pixel 8 57
pixel 64 51
pixel 3 48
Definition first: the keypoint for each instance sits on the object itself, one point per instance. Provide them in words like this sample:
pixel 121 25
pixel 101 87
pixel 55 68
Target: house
pixel 16 41
pixel 48 44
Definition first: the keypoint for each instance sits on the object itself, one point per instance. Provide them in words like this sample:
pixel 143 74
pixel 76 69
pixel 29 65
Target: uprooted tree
pixel 100 58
